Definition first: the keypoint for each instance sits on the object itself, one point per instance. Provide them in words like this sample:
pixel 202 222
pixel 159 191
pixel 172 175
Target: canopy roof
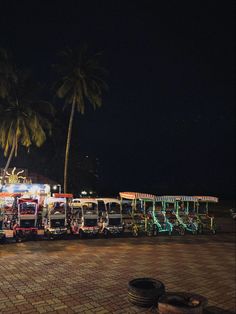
pixel 136 195
pixel 173 198
pixel 211 199
pixel 108 200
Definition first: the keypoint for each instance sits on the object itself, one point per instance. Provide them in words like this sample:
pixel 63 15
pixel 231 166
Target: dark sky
pixel 167 122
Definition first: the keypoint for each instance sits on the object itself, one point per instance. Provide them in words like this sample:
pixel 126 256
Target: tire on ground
pixel 145 292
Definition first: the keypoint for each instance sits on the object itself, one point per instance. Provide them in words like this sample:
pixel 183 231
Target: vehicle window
pixel 58 208
pixel 27 208
pixel 113 208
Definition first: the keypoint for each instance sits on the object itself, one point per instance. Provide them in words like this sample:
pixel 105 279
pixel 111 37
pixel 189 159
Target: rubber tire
pixel 81 234
pixel 181 231
pixel 200 229
pixel 145 292
pixel 155 231
pixel 172 302
pixel 106 233
pixel 18 239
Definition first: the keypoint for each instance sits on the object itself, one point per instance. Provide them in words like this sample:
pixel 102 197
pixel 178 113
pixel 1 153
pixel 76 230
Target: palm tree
pixel 80 82
pixel 24 119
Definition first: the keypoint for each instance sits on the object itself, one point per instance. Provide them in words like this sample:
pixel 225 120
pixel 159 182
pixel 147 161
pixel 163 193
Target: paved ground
pixel 91 275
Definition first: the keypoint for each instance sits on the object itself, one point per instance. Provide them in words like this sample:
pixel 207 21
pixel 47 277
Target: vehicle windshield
pixel 170 206
pixel 139 208
pixel 182 209
pixel 114 221
pixel 77 213
pixel 127 209
pixel 58 208
pixel 113 208
pixel 27 208
pixel 90 222
pixel 159 216
pixel 90 209
pixel 27 223
pixel 57 223
pixel 202 208
pixel 101 206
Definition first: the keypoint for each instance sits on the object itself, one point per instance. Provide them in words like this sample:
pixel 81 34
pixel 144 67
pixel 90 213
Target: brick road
pixel 91 275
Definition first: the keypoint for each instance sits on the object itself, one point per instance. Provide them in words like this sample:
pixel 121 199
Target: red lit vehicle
pixel 26 221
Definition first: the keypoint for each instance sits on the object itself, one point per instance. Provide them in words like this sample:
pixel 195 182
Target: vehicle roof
pixel 84 200
pixel 137 195
pixel 211 199
pixel 108 200
pixel 173 198
pixel 56 199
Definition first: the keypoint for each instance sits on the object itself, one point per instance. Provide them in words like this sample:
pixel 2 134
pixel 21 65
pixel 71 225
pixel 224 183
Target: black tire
pixel 48 235
pixel 182 302
pixel 181 230
pixel 200 229
pixel 81 234
pixel 145 292
pixel 155 231
pixel 18 239
pixel 134 232
pixel 3 240
pixel 106 233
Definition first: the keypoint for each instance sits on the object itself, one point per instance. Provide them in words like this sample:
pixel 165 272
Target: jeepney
pixel 25 226
pixel 84 217
pixel 206 222
pixel 110 216
pixel 136 220
pixel 55 218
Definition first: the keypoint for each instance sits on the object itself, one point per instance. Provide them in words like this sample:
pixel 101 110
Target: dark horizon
pixel 167 122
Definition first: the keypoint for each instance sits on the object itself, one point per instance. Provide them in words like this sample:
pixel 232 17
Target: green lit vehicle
pixel 135 212
pixel 171 215
pixel 185 213
pixel 161 224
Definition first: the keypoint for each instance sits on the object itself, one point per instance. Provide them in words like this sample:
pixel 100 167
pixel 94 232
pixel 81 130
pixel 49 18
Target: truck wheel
pixel 181 230
pixel 18 239
pixel 81 234
pixel 200 229
pixel 106 233
pixel 155 231
pixel 47 235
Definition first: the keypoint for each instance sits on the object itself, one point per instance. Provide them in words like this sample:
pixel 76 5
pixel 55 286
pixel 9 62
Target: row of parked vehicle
pixel 56 216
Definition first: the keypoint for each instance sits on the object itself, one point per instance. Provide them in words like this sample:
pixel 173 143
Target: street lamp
pixel 57 187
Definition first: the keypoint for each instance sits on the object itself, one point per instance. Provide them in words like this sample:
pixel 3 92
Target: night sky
pixel 167 121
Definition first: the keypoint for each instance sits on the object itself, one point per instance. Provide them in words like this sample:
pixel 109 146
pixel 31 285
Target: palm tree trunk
pixel 8 162
pixel 68 145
